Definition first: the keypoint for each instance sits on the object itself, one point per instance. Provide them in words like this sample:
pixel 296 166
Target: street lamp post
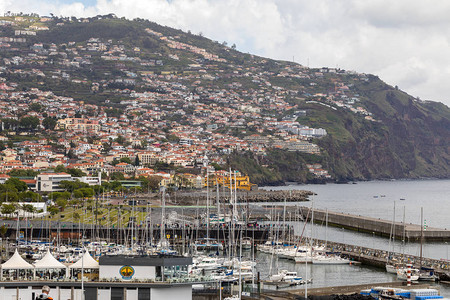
pixel 373 239
pixel 446 245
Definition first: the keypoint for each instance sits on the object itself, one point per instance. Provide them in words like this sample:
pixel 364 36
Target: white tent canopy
pixel 86 262
pixel 48 262
pixel 17 262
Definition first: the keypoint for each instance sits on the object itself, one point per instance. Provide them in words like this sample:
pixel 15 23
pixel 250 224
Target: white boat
pixel 208 243
pixel 285 276
pixel 392 268
pixel 292 277
pixel 246 244
pixel 323 259
pixel 303 257
pixel 402 274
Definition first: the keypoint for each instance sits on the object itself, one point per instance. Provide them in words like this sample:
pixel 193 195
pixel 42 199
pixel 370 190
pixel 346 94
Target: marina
pixel 270 249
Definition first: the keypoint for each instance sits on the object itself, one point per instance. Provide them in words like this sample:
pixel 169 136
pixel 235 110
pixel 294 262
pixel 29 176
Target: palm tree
pixel 8 209
pixel 28 208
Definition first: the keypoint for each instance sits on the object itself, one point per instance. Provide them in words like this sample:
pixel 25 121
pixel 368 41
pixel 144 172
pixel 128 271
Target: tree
pixel 71 186
pixel 9 197
pixel 137 162
pixel 106 147
pixel 28 208
pixel 29 123
pixel 35 107
pixel 173 138
pixel 126 160
pixel 154 181
pixel 56 195
pixel 8 209
pixel 117 176
pixel 53 210
pixel 60 169
pixel 10 124
pixel 62 203
pixel 23 173
pixel 115 184
pixel 17 183
pixel 76 172
pixel 78 194
pixel 30 196
pixel 49 123
pixel 3 230
pixel 87 192
pixel 120 140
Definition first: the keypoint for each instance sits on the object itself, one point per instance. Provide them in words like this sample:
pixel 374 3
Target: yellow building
pixel 236 180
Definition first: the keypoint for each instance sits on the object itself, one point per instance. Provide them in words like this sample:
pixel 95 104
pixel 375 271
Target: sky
pixel 405 42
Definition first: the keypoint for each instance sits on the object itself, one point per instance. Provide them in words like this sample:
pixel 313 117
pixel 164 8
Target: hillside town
pixel 153 114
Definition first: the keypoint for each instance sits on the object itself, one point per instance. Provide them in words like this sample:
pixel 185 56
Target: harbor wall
pixel 411 232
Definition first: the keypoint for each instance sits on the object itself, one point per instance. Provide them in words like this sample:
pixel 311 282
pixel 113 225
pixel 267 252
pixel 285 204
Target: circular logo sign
pixel 126 272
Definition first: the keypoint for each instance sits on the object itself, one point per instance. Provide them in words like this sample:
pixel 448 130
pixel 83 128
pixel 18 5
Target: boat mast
pixel 218 208
pixel 207 206
pixel 231 234
pixel 163 213
pixel 326 228
pixel 421 235
pixel 393 231
pixel 404 231
pixel 284 221
pixel 240 266
pixel 235 208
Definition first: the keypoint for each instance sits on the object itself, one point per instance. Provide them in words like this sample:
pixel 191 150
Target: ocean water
pixel 377 199
pixel 374 199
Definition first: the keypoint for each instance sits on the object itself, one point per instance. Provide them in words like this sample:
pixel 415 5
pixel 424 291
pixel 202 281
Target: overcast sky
pixel 405 42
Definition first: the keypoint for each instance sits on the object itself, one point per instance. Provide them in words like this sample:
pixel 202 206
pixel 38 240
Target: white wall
pixel 175 293
pixel 104 294
pixel 179 293
pixel 25 293
pixel 140 272
pixel 132 294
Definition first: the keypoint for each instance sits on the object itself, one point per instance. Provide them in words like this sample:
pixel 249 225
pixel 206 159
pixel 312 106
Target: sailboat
pixel 326 258
pixel 391 265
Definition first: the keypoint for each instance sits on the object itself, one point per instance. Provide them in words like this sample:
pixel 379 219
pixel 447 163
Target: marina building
pixel 120 277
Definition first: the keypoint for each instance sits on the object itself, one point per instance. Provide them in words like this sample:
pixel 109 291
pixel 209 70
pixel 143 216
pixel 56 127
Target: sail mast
pixel 421 234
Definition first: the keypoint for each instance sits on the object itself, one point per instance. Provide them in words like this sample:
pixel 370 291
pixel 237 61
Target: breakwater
pixel 406 231
pixel 200 198
pixel 379 258
pixel 203 197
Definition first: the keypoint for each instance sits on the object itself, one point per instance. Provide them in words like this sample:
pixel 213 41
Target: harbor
pixel 280 243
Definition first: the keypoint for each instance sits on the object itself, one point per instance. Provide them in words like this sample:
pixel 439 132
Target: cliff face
pixel 410 139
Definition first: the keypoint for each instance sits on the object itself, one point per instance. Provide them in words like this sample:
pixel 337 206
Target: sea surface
pixel 377 199
pixel 374 199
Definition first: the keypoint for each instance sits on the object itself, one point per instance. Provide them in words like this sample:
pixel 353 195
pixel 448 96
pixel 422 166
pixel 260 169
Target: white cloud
pixel 405 42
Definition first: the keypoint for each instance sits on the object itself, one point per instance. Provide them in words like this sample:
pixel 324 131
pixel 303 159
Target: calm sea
pixel 374 199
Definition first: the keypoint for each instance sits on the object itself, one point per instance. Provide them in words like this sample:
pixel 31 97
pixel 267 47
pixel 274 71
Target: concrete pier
pixel 352 289
pixel 412 232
